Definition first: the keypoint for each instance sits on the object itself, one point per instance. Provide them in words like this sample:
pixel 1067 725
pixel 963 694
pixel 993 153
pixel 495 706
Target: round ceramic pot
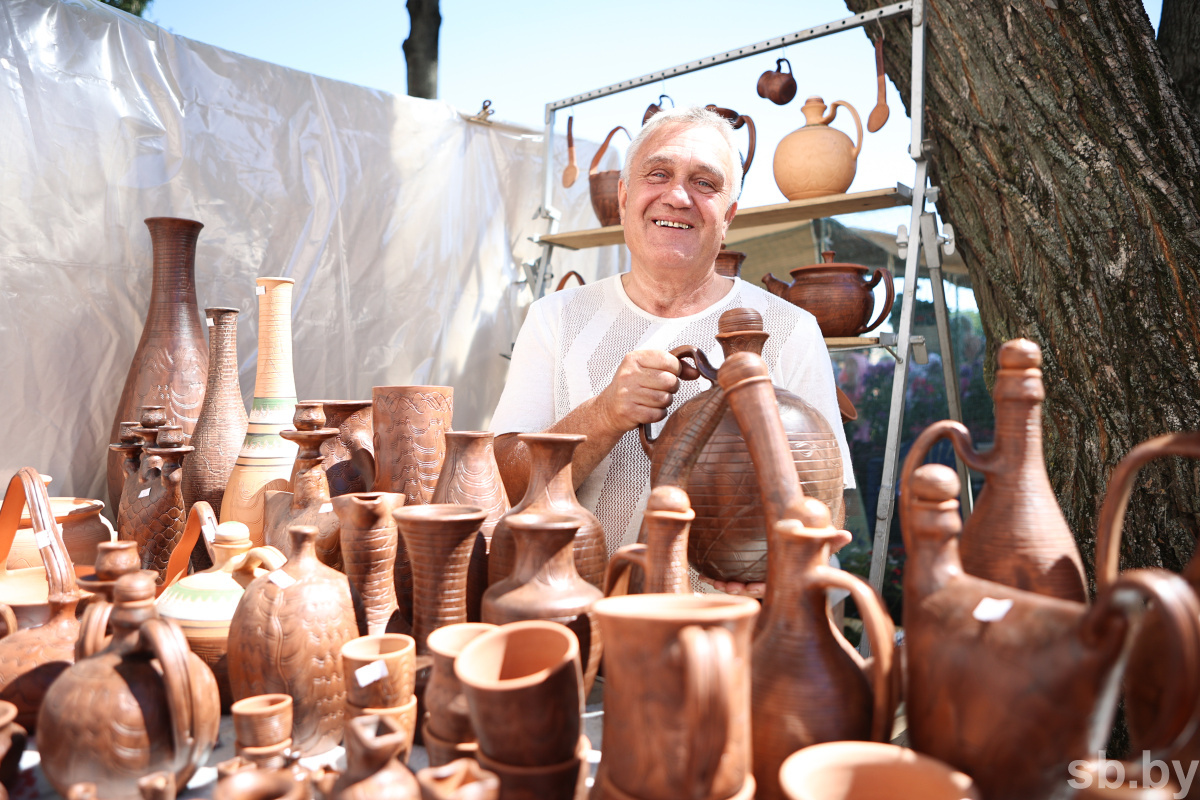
pixel 83 529
pixel 856 770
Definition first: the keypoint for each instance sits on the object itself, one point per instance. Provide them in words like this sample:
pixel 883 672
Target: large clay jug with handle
pixel 817 160
pixel 603 185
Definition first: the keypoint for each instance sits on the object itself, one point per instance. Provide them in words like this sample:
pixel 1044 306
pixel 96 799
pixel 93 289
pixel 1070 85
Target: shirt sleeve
pixel 527 402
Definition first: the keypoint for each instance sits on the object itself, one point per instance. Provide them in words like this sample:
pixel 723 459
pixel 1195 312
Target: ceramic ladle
pixel 879 114
pixel 572 171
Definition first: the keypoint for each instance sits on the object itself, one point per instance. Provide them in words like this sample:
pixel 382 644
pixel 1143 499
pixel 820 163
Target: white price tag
pixel 991 610
pixel 260 290
pixel 281 579
pixel 43 539
pixel 325 508
pixel 144 493
pixel 209 320
pixel 369 673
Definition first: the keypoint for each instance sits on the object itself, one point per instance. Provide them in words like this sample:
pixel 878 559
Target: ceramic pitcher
pixel 816 159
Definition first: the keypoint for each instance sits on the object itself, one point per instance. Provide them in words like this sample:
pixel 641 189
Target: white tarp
pixel 403 225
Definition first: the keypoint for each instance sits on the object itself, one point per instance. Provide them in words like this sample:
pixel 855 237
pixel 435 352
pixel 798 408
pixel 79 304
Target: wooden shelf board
pixel 797 211
pixel 834 342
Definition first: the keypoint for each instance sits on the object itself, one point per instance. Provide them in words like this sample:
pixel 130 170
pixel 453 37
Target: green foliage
pixel 135 7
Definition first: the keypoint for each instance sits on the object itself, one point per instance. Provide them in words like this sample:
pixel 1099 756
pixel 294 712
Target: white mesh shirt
pixel 573 341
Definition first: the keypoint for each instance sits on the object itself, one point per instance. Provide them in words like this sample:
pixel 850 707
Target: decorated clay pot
pixel 349 456
pixel 817 160
pixel 373 771
pixel 379 670
pixel 368 542
pixel 448 733
pixel 410 424
pixel 83 529
pixel 838 295
pixel 151 512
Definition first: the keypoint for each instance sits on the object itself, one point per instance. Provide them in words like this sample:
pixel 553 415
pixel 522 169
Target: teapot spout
pixel 774 285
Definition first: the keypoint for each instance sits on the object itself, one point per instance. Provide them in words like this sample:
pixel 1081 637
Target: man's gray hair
pixel 689 117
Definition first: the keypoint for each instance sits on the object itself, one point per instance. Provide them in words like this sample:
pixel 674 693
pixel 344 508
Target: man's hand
pixel 642 388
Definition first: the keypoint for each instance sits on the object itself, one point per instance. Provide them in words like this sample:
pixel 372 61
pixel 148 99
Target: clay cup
pixel 380 670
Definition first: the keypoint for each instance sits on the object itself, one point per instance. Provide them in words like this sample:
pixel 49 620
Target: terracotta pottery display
pixel 566 780
pixel 203 604
pixel 551 490
pixel 544 585
pixel 152 505
pixel 471 477
pixel 447 729
pixel 1016 534
pixel 817 160
pixel 13 738
pixel 461 779
pixel 663 557
pixel 373 771
pixel 350 456
pixel 809 684
pixel 143 704
pixel 729 263
pixel 308 502
pixel 410 424
pixel 368 542
pixel 838 295
pixel 603 185
pixel 170 366
pixel 776 85
pixel 265 456
pixel 34 594
pixel 861 770
pixel 83 529
pixel 285 637
pixel 524 689
pixel 1036 697
pixel 677 681
pixel 221 426
pixel 728 538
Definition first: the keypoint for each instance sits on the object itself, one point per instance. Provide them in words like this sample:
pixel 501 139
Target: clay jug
pixel 838 295
pixel 308 503
pixel 410 424
pixel 170 365
pixel 448 733
pixel 728 538
pixel 368 541
pixel 1011 686
pixel 544 585
pixel 349 456
pixel 663 557
pixel 817 160
pixel 603 185
pixel 285 637
pixel 142 704
pixel 84 528
pixel 1016 534
pixel 776 85
pixel 860 770
pixel 677 681
pixel 729 263
pixel 265 456
pixel 551 491
pixel 203 604
pixel 471 477
pixel 154 516
pixel 32 659
pixel 372 770
pixel 809 684
pixel 221 426
pixel 34 594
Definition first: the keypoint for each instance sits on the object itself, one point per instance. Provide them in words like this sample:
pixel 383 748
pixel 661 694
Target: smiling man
pixel 594 359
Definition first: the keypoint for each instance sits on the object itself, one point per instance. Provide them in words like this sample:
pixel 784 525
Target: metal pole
pixel 547 211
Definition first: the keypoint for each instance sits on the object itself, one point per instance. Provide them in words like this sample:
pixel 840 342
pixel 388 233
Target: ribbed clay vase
pixel 265 456
pixel 308 503
pixel 151 512
pixel 551 491
pixel 285 638
pixel 471 477
pixel 410 424
pixel 349 456
pixel 170 366
pixel 368 541
pixel 221 428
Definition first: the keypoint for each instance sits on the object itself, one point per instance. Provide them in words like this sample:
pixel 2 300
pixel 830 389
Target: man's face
pixel 678 204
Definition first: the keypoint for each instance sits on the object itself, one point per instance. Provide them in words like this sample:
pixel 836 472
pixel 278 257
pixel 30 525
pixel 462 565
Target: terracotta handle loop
pixel 256 562
pixel 567 277
pixel 959 436
pixel 890 288
pixel 1179 608
pixel 857 123
pixel 704 369
pixel 1120 487
pixel 166 642
pixel 617 573
pixel 750 151
pixel 779 62
pixel 882 635
pixel 93 628
pixel 595 167
pixel 10 620
pixel 708 657
pixel 201 520
pixel 28 489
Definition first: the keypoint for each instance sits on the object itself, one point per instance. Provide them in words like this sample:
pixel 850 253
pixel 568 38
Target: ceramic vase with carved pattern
pixel 151 511
pixel 350 456
pixel 368 542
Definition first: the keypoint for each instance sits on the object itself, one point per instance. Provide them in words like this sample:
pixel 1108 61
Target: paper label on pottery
pixel 281 579
pixel 144 493
pixel 209 320
pixel 326 508
pixel 260 290
pixel 369 673
pixel 43 539
pixel 991 609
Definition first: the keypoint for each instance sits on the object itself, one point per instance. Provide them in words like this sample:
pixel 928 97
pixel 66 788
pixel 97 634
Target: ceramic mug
pixel 263 720
pixel 380 670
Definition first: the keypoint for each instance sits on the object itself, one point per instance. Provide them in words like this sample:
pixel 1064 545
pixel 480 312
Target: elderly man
pixel 594 359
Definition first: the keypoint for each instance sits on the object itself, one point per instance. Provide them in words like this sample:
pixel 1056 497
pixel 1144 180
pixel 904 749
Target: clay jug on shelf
pixel 221 426
pixel 142 704
pixel 1016 534
pixel 663 556
pixel 34 592
pixel 817 160
pixel 603 185
pixel 545 585
pixel 265 456
pixel 368 541
pixel 551 491
pixel 372 769
pixel 152 505
pixel 1029 677
pixel 285 637
pixel 728 538
pixel 838 295
pixel 170 365
pixel 349 456
pixel 308 502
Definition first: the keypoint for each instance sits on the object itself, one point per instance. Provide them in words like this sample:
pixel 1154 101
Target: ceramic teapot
pixel 817 160
pixel 838 295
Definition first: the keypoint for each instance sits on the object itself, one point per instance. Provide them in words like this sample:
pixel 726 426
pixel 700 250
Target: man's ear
pixel 622 196
pixel 729 218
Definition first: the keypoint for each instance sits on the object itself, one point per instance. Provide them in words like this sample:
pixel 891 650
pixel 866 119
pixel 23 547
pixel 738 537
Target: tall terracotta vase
pixel 368 541
pixel 410 425
pixel 221 427
pixel 471 477
pixel 551 491
pixel 350 456
pixel 308 503
pixel 265 456
pixel 151 512
pixel 170 365
pixel 663 557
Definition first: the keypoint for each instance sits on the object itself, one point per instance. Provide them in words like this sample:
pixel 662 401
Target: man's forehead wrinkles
pixel 657 159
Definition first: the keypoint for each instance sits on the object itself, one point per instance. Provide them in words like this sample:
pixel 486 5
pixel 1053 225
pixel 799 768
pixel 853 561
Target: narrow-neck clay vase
pixel 368 543
pixel 221 427
pixel 170 365
pixel 663 557
pixel 152 506
pixel 410 424
pixel 265 457
pixel 551 491
pixel 350 456
pixel 308 503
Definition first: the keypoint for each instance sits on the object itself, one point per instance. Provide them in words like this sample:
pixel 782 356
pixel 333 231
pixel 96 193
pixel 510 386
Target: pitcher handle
pixel 93 628
pixel 595 167
pixel 617 573
pixel 165 641
pixel 708 657
pixel 1120 487
pixel 201 522
pixel 28 488
pixel 10 620
pixel 750 148
pixel 882 635
pixel 857 122
pixel 702 368
pixel 959 436
pixel 888 287
pixel 258 561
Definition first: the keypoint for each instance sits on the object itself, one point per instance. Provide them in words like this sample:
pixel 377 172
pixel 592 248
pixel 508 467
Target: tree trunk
pixel 1179 41
pixel 1069 168
pixel 421 48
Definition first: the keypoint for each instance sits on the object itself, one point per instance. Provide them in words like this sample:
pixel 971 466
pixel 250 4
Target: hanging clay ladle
pixel 776 85
pixel 572 171
pixel 879 114
pixel 654 108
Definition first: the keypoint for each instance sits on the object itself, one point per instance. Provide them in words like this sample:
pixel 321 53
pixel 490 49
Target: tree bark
pixel 1070 170
pixel 1179 41
pixel 421 48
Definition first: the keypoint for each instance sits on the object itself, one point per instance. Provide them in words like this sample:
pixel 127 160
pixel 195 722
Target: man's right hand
pixel 642 388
